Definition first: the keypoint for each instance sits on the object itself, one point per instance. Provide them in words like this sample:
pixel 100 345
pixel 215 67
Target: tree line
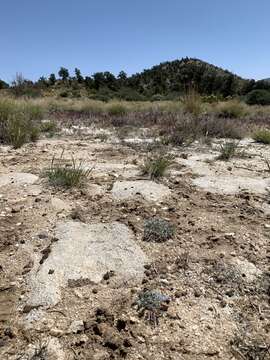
pixel 167 80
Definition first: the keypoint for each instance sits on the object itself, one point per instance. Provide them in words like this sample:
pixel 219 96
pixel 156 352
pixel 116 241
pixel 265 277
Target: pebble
pixel 56 332
pixel 76 326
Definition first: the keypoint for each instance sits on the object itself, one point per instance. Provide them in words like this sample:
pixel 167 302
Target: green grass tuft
pixel 68 174
pixel 156 167
pixel 262 136
pixel 228 150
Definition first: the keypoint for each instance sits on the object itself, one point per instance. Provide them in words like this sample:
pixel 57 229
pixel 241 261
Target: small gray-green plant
pixel 67 173
pixel 150 304
pixel 157 230
pixel 156 167
pixel 228 150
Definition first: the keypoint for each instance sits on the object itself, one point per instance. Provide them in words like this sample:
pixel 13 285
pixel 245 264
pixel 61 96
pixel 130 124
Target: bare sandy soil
pixel 214 273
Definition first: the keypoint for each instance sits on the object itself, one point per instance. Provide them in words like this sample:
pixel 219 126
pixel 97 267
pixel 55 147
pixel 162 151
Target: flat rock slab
pixel 149 190
pixel 83 255
pixel 17 179
pixel 115 169
pixel 232 184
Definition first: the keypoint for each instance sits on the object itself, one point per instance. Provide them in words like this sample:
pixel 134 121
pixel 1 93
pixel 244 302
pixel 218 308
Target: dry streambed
pixel 74 262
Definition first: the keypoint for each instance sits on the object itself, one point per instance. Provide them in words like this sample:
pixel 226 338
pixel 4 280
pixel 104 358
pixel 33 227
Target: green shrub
pixel 156 167
pixel 67 173
pixel 117 109
pixel 19 122
pixel 262 136
pixel 258 97
pixel 157 230
pixel 183 132
pixel 228 150
pixel 232 109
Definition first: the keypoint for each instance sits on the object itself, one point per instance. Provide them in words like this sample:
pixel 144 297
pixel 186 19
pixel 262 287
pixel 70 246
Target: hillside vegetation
pixel 166 81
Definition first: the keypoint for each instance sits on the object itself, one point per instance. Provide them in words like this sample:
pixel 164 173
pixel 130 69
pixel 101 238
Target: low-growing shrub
pixel 258 97
pixel 222 128
pixel 228 150
pixel 183 132
pixel 156 167
pixel 262 136
pixel 157 230
pixel 232 109
pixel 19 122
pixel 48 127
pixel 116 109
pixel 67 173
pixel 192 102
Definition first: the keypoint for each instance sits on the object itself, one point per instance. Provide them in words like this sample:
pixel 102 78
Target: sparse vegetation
pixel 157 166
pixel 19 122
pixel 232 109
pixel 67 173
pixel 228 150
pixel 48 127
pixel 150 303
pixel 117 109
pixel 250 349
pixel 262 136
pixel 157 230
pixel 192 103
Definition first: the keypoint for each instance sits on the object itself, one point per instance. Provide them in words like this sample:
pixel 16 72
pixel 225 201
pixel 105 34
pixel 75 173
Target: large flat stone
pixel 17 179
pixel 232 184
pixel 84 253
pixel 149 190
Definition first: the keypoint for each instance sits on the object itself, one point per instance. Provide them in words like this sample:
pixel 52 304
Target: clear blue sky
pixel 37 37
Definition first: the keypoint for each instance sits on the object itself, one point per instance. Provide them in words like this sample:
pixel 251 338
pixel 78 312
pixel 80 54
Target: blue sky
pixel 37 37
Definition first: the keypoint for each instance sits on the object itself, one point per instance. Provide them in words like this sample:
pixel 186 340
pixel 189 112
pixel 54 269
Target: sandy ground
pixel 214 272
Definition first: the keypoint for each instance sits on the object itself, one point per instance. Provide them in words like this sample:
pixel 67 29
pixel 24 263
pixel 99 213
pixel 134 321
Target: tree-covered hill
pixel 176 76
pixel 168 80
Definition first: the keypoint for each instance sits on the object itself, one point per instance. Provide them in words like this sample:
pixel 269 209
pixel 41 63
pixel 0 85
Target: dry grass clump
pixel 19 122
pixel 228 150
pixel 67 173
pixel 222 128
pixel 48 127
pixel 232 109
pixel 157 166
pixel 183 132
pixel 192 103
pixel 262 136
pixel 117 109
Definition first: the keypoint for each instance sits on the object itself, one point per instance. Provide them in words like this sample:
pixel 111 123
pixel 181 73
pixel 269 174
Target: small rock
pixel 229 236
pixel 76 326
pixel 101 355
pixel 56 332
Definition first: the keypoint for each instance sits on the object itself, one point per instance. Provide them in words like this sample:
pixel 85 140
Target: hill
pixel 167 80
pixel 176 76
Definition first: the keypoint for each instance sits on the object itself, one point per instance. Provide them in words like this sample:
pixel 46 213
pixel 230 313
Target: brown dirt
pixel 215 311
